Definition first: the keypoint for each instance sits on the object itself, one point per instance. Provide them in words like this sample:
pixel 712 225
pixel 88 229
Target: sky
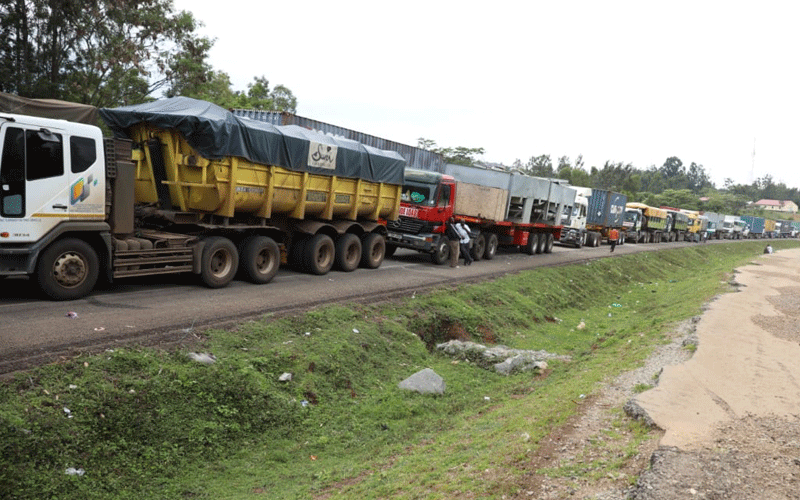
pixel 710 82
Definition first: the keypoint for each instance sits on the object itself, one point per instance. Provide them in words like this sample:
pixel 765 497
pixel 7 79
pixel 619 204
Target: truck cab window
pixel 12 174
pixel 44 155
pixel 444 197
pixel 82 152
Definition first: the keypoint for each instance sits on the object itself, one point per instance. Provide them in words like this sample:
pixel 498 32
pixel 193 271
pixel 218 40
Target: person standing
pixel 613 237
pixel 463 232
pixel 453 240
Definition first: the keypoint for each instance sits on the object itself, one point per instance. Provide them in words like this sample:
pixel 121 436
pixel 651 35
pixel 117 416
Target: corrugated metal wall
pixel 416 157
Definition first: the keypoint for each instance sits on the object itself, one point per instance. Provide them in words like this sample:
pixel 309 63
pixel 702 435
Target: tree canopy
pixel 113 52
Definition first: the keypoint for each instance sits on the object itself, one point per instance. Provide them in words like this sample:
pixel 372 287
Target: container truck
pixel 795 229
pixel 606 212
pixel 644 224
pixel 595 213
pixel 500 207
pixel 755 226
pixel 186 187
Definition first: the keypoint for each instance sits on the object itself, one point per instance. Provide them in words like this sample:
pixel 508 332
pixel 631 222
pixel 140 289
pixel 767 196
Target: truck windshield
pixel 631 216
pixel 419 194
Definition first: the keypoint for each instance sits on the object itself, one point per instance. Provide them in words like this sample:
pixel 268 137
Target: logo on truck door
pixel 81 189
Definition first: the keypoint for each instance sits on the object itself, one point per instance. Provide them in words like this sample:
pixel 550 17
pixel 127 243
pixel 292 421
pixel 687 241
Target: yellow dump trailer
pixel 231 185
pixel 226 193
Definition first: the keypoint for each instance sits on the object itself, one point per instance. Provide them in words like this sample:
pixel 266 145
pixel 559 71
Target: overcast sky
pixel 626 81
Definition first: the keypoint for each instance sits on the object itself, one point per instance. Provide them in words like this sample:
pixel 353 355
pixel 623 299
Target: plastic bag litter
pixel 72 471
pixel 72 315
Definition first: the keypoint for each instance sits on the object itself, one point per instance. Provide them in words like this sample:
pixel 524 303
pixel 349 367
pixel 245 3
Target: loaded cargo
pixel 644 224
pixel 185 186
pixel 501 208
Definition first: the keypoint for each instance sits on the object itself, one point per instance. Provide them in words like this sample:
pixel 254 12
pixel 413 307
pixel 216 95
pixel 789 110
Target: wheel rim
pixel 221 263
pixel 324 256
pixel 264 261
pixel 69 269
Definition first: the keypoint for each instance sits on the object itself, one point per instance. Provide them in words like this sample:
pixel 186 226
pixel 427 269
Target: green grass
pixel 147 423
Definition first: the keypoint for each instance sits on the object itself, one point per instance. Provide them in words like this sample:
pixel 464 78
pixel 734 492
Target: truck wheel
pixel 373 249
pixel 390 250
pixel 442 253
pixel 598 238
pixel 491 247
pixel 318 254
pixel 259 259
pixel 541 243
pixel 67 269
pixel 348 252
pixel 532 244
pixel 219 262
pixel 548 246
pixel 479 247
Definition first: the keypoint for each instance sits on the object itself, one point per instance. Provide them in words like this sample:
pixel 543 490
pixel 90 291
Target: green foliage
pixel 109 53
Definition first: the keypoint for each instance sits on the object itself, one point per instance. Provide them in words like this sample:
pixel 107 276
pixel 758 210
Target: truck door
pixel 33 181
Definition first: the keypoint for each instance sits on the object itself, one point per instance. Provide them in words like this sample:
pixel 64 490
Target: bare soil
pixel 724 420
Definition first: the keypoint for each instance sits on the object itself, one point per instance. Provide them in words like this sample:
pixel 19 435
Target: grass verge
pixel 149 423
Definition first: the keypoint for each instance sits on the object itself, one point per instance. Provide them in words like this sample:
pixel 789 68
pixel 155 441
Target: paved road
pixel 158 309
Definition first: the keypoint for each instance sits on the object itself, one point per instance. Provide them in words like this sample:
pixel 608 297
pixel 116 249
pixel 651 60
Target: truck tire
pixel 548 246
pixel 219 262
pixel 67 269
pixel 532 244
pixel 598 238
pixel 373 249
pixel 478 247
pixel 442 252
pixel 318 254
pixel 541 243
pixel 491 247
pixel 259 259
pixel 348 252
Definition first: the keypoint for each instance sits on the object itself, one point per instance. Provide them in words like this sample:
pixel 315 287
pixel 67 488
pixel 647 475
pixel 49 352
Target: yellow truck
pixel 186 187
pixel 644 224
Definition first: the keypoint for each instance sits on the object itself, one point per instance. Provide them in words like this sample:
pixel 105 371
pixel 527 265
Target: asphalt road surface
pixel 165 309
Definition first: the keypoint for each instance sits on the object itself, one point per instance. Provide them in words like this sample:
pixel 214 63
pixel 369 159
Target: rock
pixel 203 357
pixel 424 381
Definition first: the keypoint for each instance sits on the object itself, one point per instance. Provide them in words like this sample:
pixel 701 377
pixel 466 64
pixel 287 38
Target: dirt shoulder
pixel 728 415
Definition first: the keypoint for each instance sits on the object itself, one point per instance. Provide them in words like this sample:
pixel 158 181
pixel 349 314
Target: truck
pixel 606 212
pixel 574 232
pixel 644 224
pixel 734 228
pixel 785 229
pixel 186 187
pixel 501 208
pixel 770 228
pixel 698 226
pixel 715 230
pixel 755 226
pixel 677 225
pixel 596 213
pixel 795 228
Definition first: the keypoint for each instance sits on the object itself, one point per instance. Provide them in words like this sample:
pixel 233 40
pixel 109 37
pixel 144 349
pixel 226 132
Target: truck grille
pixel 408 225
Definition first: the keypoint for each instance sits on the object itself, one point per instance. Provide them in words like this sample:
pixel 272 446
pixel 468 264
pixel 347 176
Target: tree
pixel 100 52
pixel 539 166
pixel 112 52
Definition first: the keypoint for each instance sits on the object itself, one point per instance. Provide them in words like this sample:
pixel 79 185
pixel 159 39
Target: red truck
pixel 500 207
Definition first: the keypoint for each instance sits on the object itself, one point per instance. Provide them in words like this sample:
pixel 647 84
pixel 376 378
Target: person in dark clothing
pixel 453 240
pixel 463 232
